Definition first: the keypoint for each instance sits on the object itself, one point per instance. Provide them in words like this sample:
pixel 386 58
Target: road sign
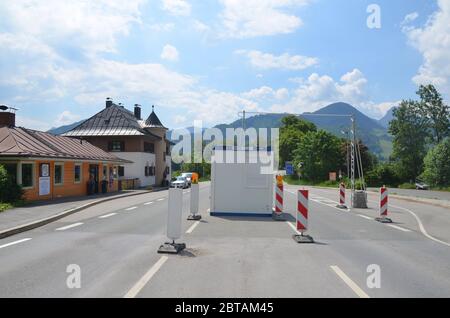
pixel 289 168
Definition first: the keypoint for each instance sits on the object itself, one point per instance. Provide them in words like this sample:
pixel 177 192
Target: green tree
pixel 291 134
pixel 436 113
pixel 320 152
pixel 410 132
pixel 437 165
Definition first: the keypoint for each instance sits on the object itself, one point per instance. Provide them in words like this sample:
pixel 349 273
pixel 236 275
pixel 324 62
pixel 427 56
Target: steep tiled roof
pixel 111 121
pixel 22 142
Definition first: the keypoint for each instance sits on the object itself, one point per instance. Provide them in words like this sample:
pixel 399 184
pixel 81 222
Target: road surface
pixel 115 243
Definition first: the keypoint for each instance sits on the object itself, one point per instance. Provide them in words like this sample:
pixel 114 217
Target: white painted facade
pixel 137 168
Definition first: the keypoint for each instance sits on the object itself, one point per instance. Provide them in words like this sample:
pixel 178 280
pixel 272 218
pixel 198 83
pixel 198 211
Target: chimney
pixel 137 111
pixel 109 102
pixel 7 118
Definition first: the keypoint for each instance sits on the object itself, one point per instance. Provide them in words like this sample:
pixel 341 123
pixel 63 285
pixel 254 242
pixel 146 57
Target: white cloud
pixel 66 118
pixel 378 110
pixel 433 42
pixel 408 19
pixel 179 119
pixel 200 26
pixel 169 53
pixel 32 123
pixel 285 61
pixel 162 27
pixel 177 7
pixel 91 26
pixel 318 91
pixel 251 18
pixel 266 92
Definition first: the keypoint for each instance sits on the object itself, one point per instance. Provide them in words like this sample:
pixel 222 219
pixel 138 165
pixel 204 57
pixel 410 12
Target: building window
pixel 77 173
pixel 27 175
pixel 149 147
pixel 116 146
pixel 149 171
pixel 121 171
pixel 59 171
pixel 11 170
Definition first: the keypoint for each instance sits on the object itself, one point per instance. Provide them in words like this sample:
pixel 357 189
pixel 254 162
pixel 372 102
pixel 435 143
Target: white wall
pixel 240 187
pixel 169 164
pixel 137 168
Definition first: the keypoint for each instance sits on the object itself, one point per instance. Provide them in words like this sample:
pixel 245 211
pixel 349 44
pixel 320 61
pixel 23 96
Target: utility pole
pixel 352 159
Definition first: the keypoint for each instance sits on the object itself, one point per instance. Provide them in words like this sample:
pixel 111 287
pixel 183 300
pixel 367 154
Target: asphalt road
pixel 115 245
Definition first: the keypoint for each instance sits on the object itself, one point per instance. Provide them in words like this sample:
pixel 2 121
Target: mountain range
pixel 372 132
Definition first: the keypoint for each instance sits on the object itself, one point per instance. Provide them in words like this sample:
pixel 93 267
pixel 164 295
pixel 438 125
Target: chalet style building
pixel 49 166
pixel 125 134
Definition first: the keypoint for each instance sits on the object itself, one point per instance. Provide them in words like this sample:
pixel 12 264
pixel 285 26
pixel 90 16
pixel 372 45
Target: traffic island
pixel 196 217
pixel 383 220
pixel 303 239
pixel 171 248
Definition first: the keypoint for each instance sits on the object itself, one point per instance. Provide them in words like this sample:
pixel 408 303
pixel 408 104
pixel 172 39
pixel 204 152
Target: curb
pixel 50 219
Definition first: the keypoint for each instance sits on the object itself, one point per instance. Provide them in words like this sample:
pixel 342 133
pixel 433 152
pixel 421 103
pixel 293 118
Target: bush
pixel 10 191
pixel 383 174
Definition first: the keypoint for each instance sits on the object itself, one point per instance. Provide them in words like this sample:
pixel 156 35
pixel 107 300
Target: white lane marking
pixel 365 216
pixel 69 226
pixel 146 278
pixel 193 226
pixel 148 203
pixel 293 227
pixel 15 242
pixel 162 199
pixel 421 227
pixel 131 209
pixel 328 205
pixel 107 216
pixel 398 228
pixel 358 291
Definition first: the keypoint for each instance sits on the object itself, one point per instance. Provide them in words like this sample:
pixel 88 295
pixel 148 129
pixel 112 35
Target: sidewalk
pixel 36 214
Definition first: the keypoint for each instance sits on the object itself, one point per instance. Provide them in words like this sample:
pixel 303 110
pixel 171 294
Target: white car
pixel 188 176
pixel 180 182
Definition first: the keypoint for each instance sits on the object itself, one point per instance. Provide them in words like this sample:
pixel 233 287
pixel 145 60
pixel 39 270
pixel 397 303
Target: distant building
pixel 49 166
pixel 124 134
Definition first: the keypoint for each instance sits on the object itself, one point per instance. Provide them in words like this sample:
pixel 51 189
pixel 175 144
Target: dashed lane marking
pixel 69 226
pixel 353 286
pixel 134 291
pixel 15 242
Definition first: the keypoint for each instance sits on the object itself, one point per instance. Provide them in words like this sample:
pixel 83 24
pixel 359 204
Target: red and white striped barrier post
pixel 302 218
pixel 278 201
pixel 278 210
pixel 341 204
pixel 384 194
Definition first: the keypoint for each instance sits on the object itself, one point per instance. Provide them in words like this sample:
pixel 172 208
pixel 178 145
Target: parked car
pixel 188 176
pixel 420 185
pixel 180 182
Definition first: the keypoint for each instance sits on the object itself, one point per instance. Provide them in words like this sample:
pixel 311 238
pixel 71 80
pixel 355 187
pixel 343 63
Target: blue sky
pixel 209 59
